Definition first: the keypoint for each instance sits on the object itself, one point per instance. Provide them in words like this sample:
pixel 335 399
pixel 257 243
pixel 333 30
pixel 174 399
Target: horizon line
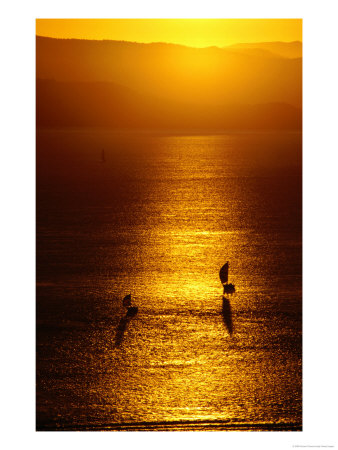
pixel 166 43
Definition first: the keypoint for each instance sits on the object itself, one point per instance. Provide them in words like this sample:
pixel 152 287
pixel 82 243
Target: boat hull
pixel 132 311
pixel 229 288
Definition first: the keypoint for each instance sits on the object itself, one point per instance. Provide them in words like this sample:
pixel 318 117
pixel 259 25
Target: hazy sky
pixel 193 32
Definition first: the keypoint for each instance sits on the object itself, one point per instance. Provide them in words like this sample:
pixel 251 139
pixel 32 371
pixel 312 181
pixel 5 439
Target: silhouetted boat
pixel 103 158
pixel 131 310
pixel 228 288
pixel 127 301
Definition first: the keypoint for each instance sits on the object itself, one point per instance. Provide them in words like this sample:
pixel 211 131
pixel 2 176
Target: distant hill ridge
pixel 102 104
pixel 285 49
pixel 206 76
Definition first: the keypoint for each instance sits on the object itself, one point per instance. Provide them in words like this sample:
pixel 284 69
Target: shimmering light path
pixel 158 219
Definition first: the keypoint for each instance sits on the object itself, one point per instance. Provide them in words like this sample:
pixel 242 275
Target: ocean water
pixel 158 219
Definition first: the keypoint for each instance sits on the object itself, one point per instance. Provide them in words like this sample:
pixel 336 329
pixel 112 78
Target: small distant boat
pixel 103 158
pixel 228 288
pixel 131 310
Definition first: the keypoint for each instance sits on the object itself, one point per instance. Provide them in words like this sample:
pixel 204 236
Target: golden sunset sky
pixel 190 32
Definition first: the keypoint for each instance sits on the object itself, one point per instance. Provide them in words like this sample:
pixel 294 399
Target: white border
pixel 18 220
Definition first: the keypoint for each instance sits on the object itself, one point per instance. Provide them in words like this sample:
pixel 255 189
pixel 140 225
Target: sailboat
pixel 103 159
pixel 131 310
pixel 228 288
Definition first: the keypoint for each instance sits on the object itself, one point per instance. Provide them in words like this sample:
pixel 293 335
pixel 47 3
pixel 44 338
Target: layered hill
pixel 282 49
pixel 64 104
pixel 123 84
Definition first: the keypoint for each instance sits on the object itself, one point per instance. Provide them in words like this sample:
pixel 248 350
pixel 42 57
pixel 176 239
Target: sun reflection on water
pixel 188 206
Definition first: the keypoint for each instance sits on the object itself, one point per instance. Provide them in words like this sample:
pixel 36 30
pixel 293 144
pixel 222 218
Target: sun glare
pixel 190 32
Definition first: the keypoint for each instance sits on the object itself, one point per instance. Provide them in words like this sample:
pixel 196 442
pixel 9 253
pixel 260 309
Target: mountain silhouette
pixel 175 73
pixel 83 104
pixel 281 49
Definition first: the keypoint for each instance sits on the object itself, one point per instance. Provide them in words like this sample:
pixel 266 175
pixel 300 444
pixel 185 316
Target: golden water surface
pixel 158 219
